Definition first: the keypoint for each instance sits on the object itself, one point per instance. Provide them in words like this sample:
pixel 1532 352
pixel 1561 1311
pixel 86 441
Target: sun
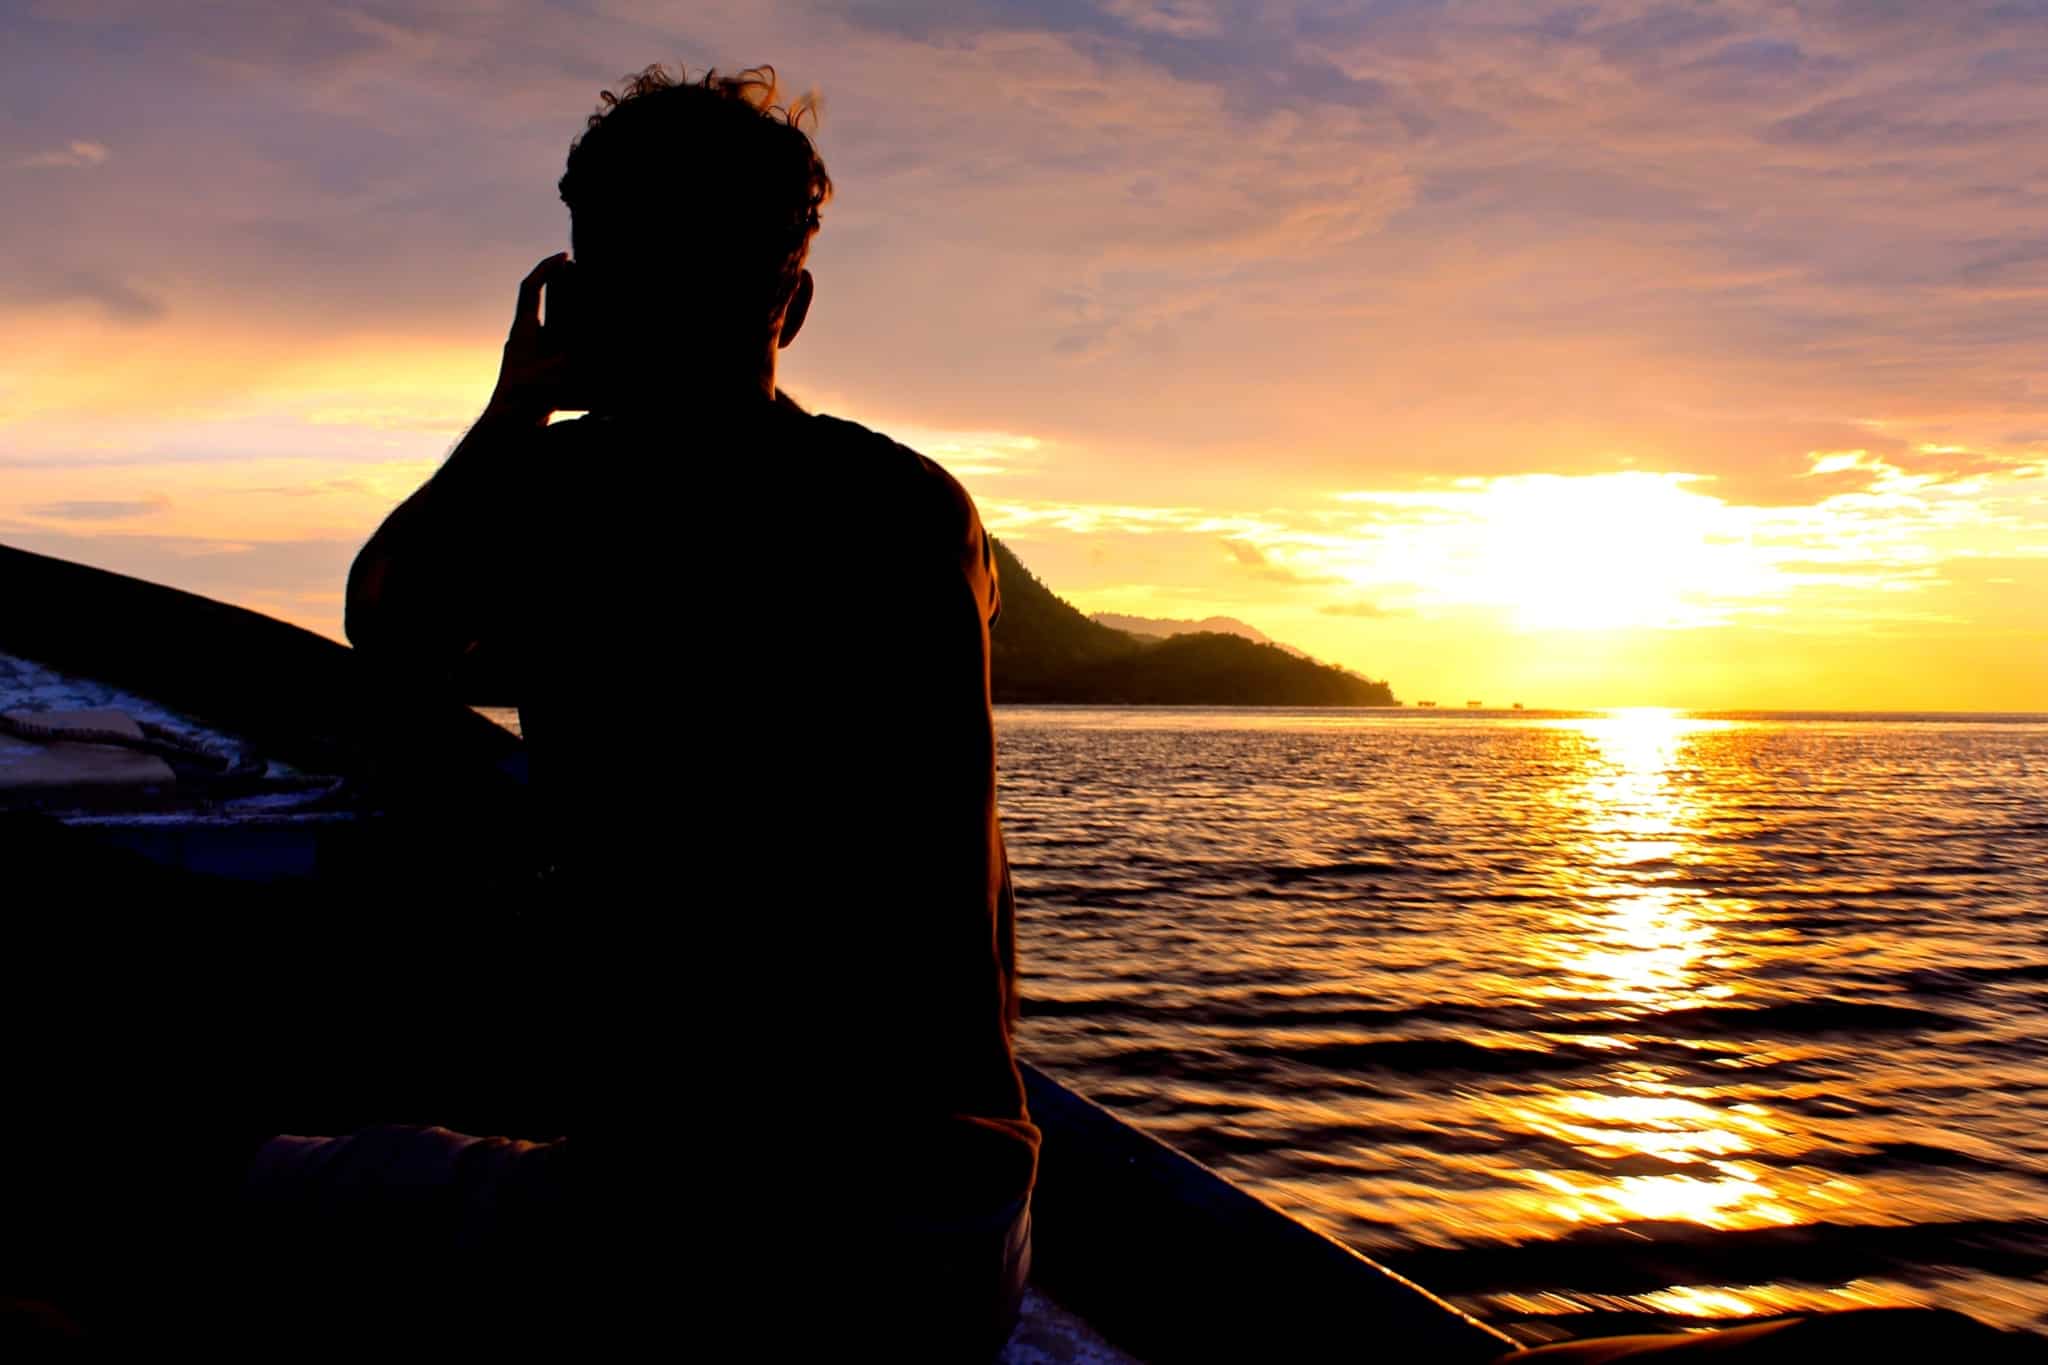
pixel 1631 550
pixel 1602 552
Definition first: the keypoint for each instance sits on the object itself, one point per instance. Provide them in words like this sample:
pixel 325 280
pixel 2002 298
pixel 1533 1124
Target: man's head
pixel 691 207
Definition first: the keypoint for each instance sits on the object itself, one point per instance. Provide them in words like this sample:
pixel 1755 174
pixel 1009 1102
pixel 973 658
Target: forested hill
pixel 1046 651
pixel 1167 627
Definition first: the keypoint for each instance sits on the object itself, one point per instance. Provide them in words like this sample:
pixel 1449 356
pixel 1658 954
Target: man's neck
pixel 687 387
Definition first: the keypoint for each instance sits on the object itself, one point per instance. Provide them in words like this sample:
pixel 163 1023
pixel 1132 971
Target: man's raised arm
pixel 421 592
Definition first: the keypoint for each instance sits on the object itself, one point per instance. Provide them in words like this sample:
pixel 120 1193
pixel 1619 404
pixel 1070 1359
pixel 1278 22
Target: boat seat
pixel 32 768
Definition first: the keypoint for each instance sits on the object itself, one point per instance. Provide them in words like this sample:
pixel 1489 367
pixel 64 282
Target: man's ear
pixel 799 309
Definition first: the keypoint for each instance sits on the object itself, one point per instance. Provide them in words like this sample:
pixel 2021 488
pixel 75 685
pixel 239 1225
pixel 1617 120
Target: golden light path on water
pixel 1645 941
pixel 1644 937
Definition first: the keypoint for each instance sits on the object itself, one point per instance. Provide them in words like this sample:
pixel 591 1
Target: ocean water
pixel 1638 1018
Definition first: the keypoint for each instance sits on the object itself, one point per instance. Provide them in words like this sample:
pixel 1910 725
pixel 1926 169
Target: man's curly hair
pixel 717 169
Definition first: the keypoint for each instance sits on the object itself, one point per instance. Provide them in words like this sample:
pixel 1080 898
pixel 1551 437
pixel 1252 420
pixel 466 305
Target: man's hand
pixel 534 374
pixel 421 591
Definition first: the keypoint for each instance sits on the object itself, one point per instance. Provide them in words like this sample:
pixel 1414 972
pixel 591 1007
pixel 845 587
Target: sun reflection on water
pixel 1641 939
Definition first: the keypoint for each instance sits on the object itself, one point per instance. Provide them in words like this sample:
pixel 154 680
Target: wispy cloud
pixel 72 155
pixel 1258 563
pixel 1175 18
pixel 98 510
pixel 118 300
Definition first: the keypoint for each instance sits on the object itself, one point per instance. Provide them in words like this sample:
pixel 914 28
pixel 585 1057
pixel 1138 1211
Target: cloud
pixel 75 154
pixel 1873 121
pixel 322 489
pixel 1174 18
pixel 1245 553
pixel 92 510
pixel 1261 566
pixel 390 419
pixel 1657 36
pixel 116 299
pixel 1755 56
pixel 1015 517
pixel 1366 609
pixel 2010 262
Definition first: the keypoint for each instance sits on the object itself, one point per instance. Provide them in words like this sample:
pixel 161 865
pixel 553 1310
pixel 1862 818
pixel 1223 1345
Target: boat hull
pixel 385 958
pixel 1172 1262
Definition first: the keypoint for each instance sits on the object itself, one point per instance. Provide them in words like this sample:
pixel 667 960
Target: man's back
pixel 754 673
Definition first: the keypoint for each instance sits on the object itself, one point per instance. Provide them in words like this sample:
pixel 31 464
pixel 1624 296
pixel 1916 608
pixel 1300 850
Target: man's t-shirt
pixel 753 661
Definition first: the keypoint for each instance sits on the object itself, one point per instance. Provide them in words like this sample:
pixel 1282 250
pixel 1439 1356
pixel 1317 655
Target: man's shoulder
pixel 838 473
pixel 914 481
pixel 883 457
pixel 930 496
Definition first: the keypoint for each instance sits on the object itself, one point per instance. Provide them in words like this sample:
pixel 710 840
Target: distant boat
pixel 1475 705
pixel 1427 705
pixel 1518 706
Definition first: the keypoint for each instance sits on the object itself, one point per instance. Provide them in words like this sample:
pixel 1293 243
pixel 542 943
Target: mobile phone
pixel 563 323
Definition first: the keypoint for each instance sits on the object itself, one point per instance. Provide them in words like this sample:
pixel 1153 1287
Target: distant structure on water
pixel 1427 705
pixel 1518 706
pixel 1474 705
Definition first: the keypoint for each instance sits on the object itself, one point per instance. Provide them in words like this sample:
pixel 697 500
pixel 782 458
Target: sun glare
pixel 1602 553
pixel 1595 552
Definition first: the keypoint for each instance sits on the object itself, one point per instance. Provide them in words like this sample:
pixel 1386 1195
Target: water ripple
pixel 1568 1017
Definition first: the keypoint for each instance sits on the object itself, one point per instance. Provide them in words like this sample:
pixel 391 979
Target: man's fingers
pixel 527 316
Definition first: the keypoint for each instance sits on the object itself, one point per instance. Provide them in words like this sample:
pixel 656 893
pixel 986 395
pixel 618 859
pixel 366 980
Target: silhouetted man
pixel 750 651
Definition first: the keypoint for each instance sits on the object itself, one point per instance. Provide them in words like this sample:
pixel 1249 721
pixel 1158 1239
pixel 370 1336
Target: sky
pixel 1596 354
